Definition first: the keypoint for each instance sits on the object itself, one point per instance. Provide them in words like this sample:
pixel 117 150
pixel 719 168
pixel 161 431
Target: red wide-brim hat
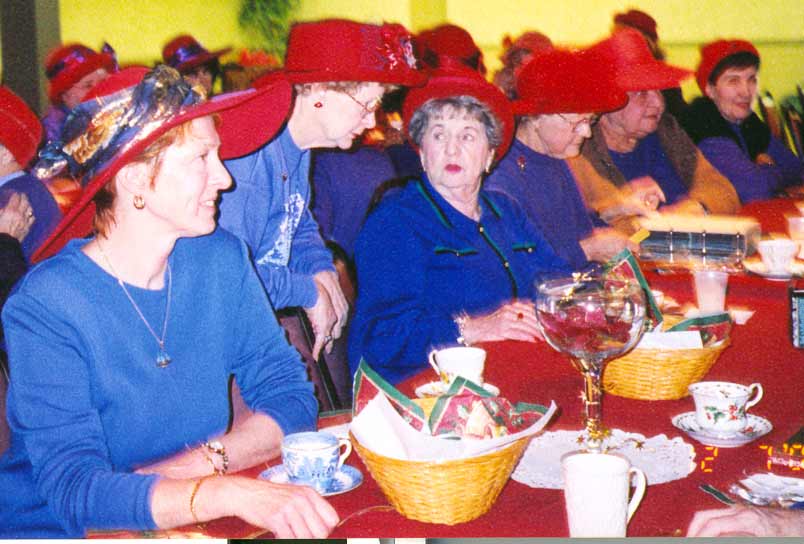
pixel 455 79
pixel 20 129
pixel 67 65
pixel 562 81
pixel 185 53
pixel 714 52
pixel 248 119
pixel 342 50
pixel 627 54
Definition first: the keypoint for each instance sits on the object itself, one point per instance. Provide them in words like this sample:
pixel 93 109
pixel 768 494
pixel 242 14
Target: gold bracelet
pixel 196 487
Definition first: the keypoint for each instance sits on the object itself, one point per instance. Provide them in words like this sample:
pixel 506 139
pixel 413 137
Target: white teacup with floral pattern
pixel 721 406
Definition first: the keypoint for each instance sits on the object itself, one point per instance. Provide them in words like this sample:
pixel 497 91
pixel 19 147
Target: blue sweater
pixel 268 208
pixel 649 159
pixel 87 404
pixel 420 263
pixel 546 190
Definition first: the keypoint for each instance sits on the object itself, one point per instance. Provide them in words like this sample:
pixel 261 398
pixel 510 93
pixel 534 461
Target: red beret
pixel 714 52
pixel 639 20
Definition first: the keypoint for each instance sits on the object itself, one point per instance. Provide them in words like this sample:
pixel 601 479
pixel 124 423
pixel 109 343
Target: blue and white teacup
pixel 313 458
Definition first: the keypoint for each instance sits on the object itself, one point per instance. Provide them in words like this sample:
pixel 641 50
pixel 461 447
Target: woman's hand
pixel 17 216
pixel 605 243
pixel 322 318
pixel 747 521
pixel 511 321
pixel 288 511
pixel 641 196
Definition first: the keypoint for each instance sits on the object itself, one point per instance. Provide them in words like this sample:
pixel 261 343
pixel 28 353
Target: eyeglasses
pixel 369 108
pixel 590 120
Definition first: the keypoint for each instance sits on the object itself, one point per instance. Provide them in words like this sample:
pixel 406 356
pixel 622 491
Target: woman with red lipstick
pixel 727 130
pixel 641 145
pixel 443 262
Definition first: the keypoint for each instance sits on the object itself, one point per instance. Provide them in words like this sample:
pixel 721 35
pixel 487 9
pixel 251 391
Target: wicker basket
pixel 450 492
pixel 656 374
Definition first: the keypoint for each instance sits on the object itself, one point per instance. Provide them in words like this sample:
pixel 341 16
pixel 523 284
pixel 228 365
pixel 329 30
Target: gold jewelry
pixel 139 202
pixel 217 447
pixel 460 322
pixel 162 358
pixel 196 487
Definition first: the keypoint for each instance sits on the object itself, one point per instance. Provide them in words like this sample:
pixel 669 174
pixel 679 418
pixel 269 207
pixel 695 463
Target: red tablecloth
pixel 761 351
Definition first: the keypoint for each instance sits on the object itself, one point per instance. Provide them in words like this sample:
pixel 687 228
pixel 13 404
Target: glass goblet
pixel 592 319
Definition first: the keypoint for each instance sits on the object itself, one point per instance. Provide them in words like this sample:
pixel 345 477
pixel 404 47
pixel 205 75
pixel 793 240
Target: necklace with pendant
pixel 162 358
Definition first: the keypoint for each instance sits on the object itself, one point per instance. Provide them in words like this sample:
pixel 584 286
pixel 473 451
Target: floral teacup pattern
pixel 721 406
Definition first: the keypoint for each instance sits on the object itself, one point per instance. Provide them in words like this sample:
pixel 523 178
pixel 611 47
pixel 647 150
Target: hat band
pixel 75 58
pixel 185 54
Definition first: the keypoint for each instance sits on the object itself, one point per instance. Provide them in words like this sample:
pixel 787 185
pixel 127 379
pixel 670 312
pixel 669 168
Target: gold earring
pixel 139 202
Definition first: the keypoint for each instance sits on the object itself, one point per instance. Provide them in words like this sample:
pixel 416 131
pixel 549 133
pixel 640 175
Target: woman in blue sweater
pixel 443 262
pixel 121 346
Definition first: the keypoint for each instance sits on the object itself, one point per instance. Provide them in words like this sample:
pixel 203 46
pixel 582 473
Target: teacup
pixel 596 490
pixel 721 406
pixel 777 254
pixel 313 458
pixel 466 362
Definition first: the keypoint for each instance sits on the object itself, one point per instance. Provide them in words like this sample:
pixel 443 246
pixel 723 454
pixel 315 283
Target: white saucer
pixel 757 426
pixel 758 267
pixel 346 479
pixel 434 389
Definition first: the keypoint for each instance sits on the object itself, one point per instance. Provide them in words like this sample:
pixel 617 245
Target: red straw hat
pixel 455 79
pixel 639 20
pixel 627 53
pixel 341 50
pixel 185 53
pixel 247 120
pixel 714 52
pixel 561 81
pixel 449 40
pixel 20 129
pixel 68 64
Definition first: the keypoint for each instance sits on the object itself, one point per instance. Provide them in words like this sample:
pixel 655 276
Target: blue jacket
pixel 546 190
pixel 420 263
pixel 88 404
pixel 269 209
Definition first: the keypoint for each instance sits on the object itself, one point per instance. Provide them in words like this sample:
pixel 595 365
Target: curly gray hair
pixel 459 105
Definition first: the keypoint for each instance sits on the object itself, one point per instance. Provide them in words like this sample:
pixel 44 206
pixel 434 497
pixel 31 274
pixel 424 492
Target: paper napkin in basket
pixel 386 425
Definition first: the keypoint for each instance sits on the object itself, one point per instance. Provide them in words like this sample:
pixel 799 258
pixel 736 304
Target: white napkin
pixel 671 340
pixel 381 429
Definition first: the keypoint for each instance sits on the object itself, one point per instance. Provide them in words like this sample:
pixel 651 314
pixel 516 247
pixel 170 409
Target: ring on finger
pixel 30 213
pixel 328 339
pixel 520 316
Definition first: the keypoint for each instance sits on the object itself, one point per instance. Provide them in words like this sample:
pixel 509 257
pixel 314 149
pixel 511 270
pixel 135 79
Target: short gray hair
pixel 463 104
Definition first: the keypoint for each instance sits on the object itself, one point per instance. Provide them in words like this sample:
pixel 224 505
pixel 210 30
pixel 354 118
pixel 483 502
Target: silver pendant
pixel 162 359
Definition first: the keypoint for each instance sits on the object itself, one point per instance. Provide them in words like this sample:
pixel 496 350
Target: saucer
pixel 434 389
pixel 757 267
pixel 346 479
pixel 757 426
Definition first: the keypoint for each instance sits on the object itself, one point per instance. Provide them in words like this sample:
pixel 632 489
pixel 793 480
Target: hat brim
pixel 62 82
pixel 248 119
pixel 577 99
pixel 201 59
pixel 650 76
pixel 446 87
pixel 405 77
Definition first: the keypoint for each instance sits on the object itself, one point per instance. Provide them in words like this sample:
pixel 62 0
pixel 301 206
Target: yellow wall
pixel 138 29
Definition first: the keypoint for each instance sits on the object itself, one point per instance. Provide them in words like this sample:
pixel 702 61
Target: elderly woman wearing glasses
pixel 560 93
pixel 442 261
pixel 640 145
pixel 340 70
pixel 121 346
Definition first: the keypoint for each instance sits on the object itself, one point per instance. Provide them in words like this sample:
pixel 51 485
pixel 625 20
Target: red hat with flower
pixel 68 64
pixel 714 53
pixel 20 129
pixel 342 50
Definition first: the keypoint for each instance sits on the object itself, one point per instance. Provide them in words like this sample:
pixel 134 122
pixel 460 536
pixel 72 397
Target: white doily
pixel 662 459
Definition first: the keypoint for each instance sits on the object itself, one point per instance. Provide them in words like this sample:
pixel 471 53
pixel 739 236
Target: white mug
pixel 466 362
pixel 721 406
pixel 596 491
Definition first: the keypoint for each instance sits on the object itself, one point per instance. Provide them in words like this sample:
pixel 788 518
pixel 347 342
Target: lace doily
pixel 662 459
